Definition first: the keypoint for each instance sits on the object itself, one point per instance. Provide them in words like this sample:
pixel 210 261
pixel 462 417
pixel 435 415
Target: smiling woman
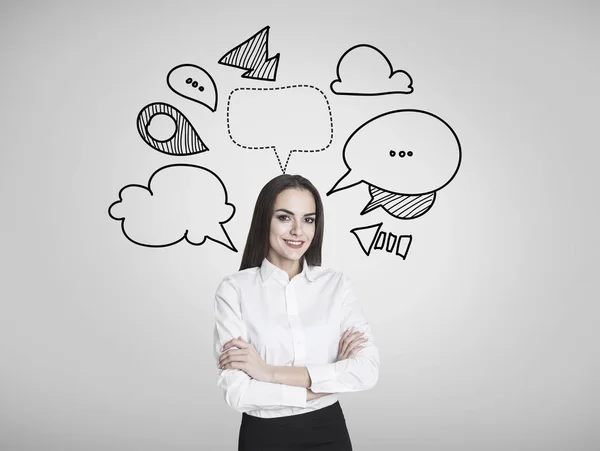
pixel 286 205
pixel 292 229
pixel 289 334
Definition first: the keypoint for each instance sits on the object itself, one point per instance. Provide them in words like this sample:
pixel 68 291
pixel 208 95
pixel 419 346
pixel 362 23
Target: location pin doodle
pixel 185 139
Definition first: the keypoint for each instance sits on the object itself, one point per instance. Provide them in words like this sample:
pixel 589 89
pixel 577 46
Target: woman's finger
pixel 356 342
pixel 341 343
pixel 348 340
pixel 232 352
pixel 353 338
pixel 233 358
pixel 238 342
pixel 344 335
pixel 343 346
pixel 233 365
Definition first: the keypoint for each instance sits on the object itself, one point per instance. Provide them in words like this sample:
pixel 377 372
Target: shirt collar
pixel 268 270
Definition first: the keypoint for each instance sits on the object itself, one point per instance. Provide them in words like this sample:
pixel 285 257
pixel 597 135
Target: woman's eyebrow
pixel 292 213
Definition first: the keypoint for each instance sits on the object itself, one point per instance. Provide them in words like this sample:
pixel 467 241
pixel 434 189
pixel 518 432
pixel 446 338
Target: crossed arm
pixel 249 361
pixel 249 383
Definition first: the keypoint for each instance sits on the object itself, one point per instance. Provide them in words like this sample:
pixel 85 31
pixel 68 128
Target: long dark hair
pixel 257 243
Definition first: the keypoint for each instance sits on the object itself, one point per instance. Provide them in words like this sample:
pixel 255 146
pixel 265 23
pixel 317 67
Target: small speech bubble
pixel 410 152
pixel 285 119
pixel 182 201
pixel 401 206
pixel 193 83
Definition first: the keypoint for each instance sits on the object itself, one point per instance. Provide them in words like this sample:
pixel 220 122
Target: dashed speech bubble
pixel 286 119
pixel 181 201
pixel 410 152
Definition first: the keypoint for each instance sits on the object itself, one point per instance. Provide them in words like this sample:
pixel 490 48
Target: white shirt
pixel 296 322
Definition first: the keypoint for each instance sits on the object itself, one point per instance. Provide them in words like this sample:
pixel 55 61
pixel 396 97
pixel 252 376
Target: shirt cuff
pixel 293 396
pixel 320 375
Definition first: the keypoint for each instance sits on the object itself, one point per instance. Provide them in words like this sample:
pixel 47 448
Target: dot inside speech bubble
pixel 410 152
pixel 285 119
pixel 193 83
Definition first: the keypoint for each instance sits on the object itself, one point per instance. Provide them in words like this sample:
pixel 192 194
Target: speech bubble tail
pixel 224 238
pixel 283 158
pixel 345 182
pixel 371 205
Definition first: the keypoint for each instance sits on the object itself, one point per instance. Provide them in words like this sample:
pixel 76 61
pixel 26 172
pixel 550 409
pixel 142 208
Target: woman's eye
pixel 310 220
pixel 283 217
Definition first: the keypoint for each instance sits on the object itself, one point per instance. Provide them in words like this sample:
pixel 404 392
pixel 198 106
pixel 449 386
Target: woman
pixel 289 334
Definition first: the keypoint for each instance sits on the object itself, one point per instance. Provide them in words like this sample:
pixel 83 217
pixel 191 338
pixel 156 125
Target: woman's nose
pixel 296 228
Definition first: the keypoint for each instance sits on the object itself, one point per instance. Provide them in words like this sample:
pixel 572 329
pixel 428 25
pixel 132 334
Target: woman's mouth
pixel 294 244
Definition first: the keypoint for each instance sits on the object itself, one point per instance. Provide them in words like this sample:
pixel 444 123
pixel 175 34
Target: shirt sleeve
pixel 349 375
pixel 241 391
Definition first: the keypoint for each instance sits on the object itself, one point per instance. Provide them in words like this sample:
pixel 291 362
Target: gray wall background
pixel 488 331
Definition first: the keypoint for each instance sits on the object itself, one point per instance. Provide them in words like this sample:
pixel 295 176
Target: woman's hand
pixel 350 344
pixel 246 359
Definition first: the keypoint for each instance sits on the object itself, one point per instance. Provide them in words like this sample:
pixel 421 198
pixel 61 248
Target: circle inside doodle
pixel 392 153
pixel 401 154
pixel 161 127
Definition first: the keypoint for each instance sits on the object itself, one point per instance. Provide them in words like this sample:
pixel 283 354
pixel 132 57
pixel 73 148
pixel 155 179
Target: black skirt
pixel 324 430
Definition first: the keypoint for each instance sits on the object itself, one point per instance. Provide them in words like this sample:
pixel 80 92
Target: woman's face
pixel 292 225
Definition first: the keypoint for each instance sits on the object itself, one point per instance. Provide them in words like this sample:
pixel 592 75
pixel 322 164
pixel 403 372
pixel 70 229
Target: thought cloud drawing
pixel 181 202
pixel 193 83
pixel 405 156
pixel 285 120
pixel 253 56
pixel 181 138
pixel 364 70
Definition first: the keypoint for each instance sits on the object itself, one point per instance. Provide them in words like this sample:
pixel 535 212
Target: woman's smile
pixel 294 244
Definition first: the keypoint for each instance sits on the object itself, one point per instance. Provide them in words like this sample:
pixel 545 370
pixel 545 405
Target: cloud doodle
pixel 181 202
pixel 364 70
